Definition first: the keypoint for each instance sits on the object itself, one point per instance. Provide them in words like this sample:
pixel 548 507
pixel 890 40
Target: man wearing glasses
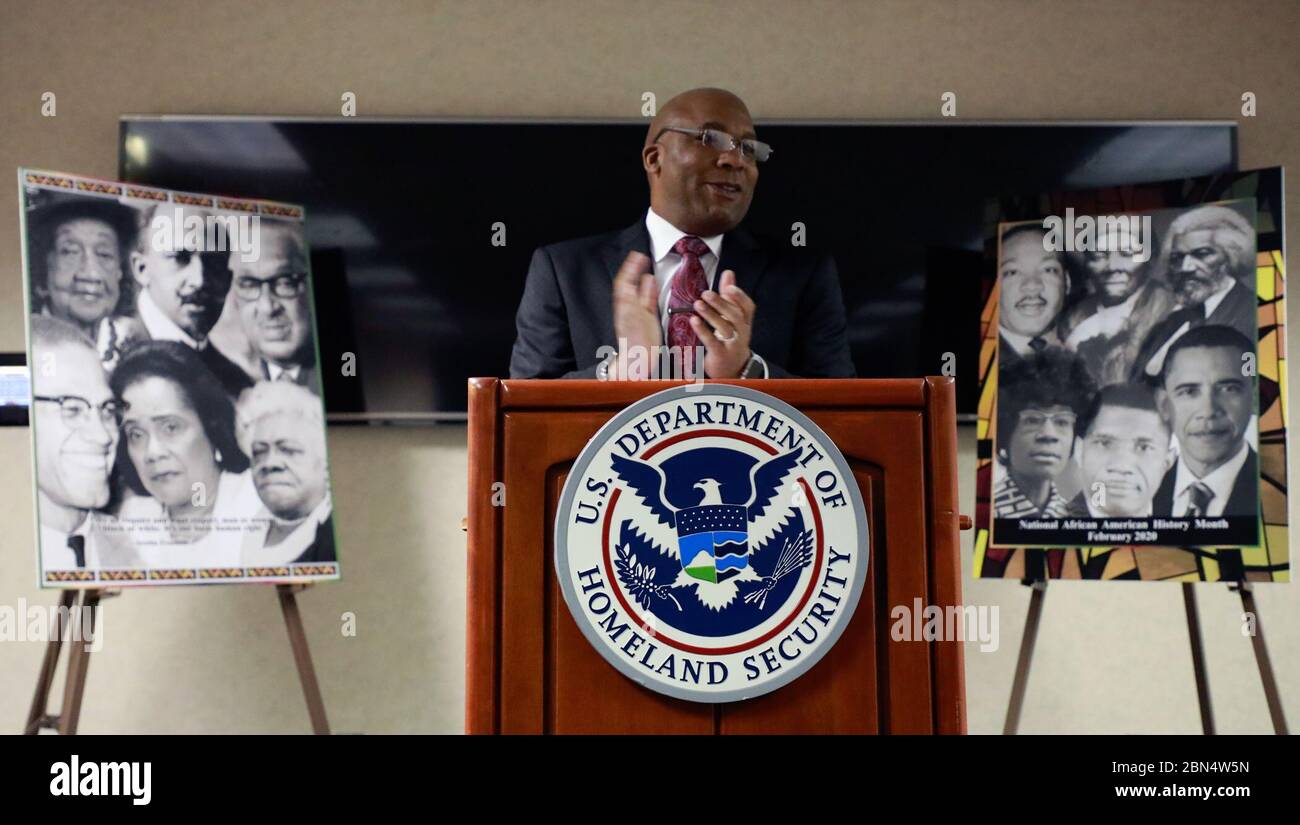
pixel 182 295
pixel 685 277
pixel 271 296
pixel 75 422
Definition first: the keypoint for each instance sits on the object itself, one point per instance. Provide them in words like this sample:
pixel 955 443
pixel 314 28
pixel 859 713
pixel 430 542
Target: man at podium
pixel 685 279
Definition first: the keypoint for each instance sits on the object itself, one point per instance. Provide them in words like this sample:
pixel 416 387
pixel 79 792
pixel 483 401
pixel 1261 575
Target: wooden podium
pixel 530 670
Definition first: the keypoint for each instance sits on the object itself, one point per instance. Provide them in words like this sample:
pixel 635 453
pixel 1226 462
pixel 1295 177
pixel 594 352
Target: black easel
pixel 1271 694
pixel 79 648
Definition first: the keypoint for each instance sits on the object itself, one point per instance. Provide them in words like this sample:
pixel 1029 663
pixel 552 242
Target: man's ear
pixel 137 270
pixel 650 160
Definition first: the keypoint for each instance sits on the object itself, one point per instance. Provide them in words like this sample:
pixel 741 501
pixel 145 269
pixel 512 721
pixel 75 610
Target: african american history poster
pixel 1132 410
pixel 177 420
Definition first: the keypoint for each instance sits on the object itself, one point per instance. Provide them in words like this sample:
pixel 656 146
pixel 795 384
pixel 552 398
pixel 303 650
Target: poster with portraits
pixel 177 418
pixel 1132 423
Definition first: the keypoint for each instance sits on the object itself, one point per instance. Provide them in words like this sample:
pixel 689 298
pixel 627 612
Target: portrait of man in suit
pixel 1208 398
pixel 75 421
pixel 182 294
pixel 685 275
pixel 274 307
pixel 1032 284
pixel 1124 455
pixel 1209 255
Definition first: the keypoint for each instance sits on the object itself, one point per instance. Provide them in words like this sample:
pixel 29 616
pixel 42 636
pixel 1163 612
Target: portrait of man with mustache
pixel 182 295
pixel 1209 260
pixel 1033 284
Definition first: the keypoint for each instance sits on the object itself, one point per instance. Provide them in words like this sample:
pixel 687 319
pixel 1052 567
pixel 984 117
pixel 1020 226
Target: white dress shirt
pixel 57 555
pixel 160 327
pixel 274 372
pixel 1220 481
pixel 1105 322
pixel 1020 343
pixel 1211 304
pixel 663 237
pixel 234 513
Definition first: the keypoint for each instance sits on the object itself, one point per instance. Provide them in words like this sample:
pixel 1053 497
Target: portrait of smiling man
pixel 1033 284
pixel 75 421
pixel 685 276
pixel 1209 399
pixel 274 307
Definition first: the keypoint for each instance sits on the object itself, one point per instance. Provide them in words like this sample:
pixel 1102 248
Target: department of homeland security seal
pixel 711 542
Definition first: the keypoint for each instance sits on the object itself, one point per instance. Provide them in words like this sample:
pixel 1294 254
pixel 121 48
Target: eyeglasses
pixel 282 286
pixel 1034 420
pixel 750 149
pixel 76 410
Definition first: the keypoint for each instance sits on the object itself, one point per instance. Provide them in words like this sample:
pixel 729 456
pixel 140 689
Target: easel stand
pixel 1271 694
pixel 79 648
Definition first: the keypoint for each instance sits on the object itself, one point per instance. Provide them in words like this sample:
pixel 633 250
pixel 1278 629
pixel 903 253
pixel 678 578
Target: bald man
pixel 685 292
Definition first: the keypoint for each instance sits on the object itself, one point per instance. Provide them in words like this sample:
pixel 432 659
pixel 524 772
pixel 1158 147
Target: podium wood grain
pixel 529 669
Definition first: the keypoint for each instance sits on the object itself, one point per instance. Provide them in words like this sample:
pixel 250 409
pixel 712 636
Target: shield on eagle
pixel 713 541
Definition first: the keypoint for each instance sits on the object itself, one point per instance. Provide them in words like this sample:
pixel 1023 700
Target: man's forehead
pixel 1202 362
pixel 711 111
pixel 1121 420
pixel 1195 237
pixel 73 370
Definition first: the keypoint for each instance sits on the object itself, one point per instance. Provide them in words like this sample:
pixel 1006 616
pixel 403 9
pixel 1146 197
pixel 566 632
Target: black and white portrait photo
pixel 1127 396
pixel 177 419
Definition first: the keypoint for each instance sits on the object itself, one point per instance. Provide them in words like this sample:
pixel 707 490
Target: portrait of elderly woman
pixel 78 252
pixel 1040 398
pixel 1124 302
pixel 191 492
pixel 281 427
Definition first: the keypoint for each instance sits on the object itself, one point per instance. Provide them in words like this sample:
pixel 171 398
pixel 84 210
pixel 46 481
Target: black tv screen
pixel 402 216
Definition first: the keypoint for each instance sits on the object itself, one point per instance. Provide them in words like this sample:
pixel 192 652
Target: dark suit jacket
pixel 1238 310
pixel 566 314
pixel 322 549
pixel 1242 501
pixel 233 378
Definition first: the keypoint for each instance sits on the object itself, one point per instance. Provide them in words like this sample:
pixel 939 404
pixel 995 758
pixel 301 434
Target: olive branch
pixel 639 579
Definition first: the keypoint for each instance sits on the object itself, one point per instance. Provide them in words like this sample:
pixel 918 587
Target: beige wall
pixel 1111 657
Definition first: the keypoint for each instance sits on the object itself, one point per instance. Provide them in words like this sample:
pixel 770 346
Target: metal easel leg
pixel 1198 659
pixel 37 717
pixel 1038 592
pixel 1271 694
pixel 302 657
pixel 74 687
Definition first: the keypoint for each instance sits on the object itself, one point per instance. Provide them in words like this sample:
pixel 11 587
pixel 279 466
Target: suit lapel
pixel 1245 488
pixel 741 254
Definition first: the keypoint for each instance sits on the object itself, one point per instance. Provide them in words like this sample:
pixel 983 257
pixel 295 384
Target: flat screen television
pixel 402 215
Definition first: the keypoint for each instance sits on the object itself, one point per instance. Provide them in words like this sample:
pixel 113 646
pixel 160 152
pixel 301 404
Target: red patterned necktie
pixel 688 285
